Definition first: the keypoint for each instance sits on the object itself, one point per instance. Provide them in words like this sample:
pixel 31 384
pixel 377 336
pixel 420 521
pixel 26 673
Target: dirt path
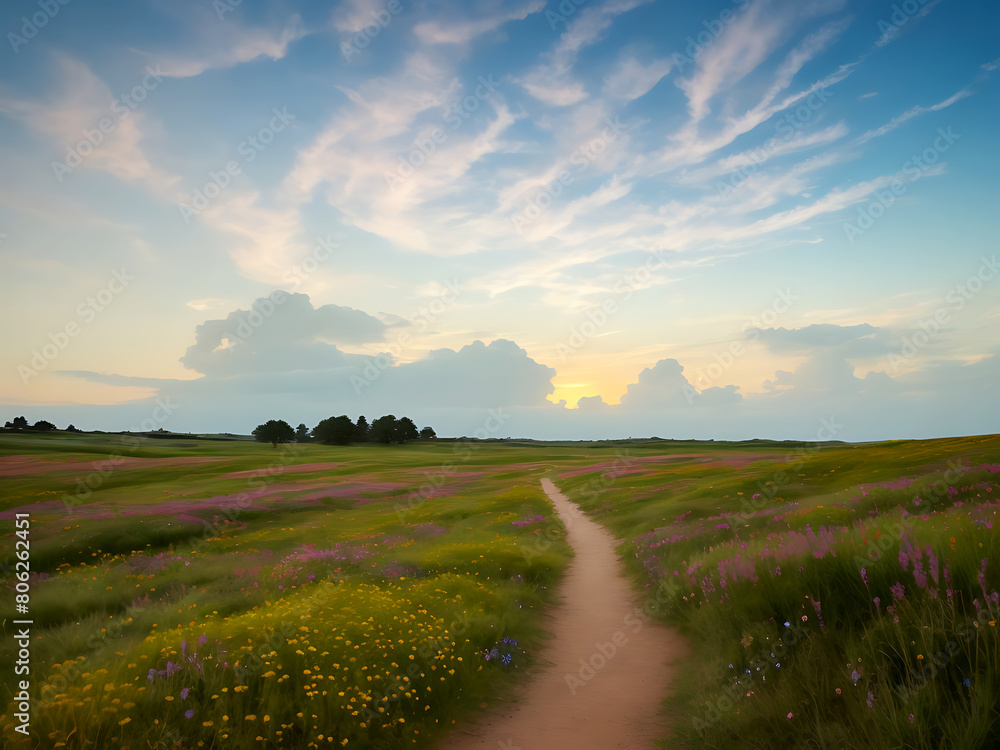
pixel 612 699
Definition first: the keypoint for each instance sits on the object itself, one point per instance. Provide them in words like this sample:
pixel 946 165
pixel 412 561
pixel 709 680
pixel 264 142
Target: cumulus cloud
pixel 281 355
pixel 476 376
pixel 664 386
pixel 828 375
pixel 280 333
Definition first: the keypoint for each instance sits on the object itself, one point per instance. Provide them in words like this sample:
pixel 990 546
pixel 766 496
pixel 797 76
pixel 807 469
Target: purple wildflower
pixel 898 591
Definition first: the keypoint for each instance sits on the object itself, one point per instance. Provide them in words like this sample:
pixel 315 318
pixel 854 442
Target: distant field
pixel 208 593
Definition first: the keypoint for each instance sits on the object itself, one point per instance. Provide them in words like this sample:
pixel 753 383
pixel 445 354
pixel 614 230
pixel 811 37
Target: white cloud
pixel 280 333
pixel 79 104
pixel 896 23
pixel 397 163
pixel 463 32
pixel 910 114
pixel 226 43
pixel 352 15
pixel 552 81
pixel 631 79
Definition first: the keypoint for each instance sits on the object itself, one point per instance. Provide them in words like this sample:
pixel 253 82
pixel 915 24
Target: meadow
pixel 200 594
pixel 836 596
pixel 194 593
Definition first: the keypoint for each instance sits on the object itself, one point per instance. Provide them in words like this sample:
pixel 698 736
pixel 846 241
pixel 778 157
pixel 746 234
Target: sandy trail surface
pixel 612 699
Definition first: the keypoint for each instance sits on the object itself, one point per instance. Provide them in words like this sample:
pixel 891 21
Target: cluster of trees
pixel 20 423
pixel 342 431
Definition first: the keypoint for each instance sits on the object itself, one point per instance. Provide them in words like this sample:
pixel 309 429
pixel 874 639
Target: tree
pixel 302 434
pixel 428 433
pixel 71 428
pixel 406 430
pixel 361 430
pixel 390 430
pixel 43 426
pixel 274 431
pixel 19 423
pixel 383 430
pixel 335 430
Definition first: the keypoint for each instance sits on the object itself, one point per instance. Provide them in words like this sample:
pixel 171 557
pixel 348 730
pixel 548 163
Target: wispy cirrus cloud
pixel 464 31
pixel 901 20
pixel 552 81
pixel 78 102
pixel 909 114
pixel 213 43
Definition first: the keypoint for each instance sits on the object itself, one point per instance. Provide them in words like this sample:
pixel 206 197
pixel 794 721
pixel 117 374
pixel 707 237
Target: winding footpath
pixel 605 670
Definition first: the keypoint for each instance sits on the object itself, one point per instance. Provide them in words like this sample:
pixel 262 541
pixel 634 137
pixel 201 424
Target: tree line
pixel 342 431
pixel 42 425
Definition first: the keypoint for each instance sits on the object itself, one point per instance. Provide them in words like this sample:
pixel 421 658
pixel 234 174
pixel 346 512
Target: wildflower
pixel 790 714
pixel 898 591
pixel 189 714
pixel 911 718
pixel 864 576
pixel 871 699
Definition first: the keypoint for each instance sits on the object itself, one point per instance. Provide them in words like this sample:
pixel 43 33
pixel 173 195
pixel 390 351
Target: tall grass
pixel 170 613
pixel 842 597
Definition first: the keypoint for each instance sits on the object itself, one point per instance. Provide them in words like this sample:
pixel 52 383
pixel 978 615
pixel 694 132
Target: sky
pixel 577 220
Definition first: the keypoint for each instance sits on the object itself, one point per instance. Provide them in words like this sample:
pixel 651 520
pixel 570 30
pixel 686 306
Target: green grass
pixel 790 648
pixel 322 612
pixel 382 582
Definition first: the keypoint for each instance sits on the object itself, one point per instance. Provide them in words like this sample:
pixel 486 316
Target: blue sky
pixel 604 219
